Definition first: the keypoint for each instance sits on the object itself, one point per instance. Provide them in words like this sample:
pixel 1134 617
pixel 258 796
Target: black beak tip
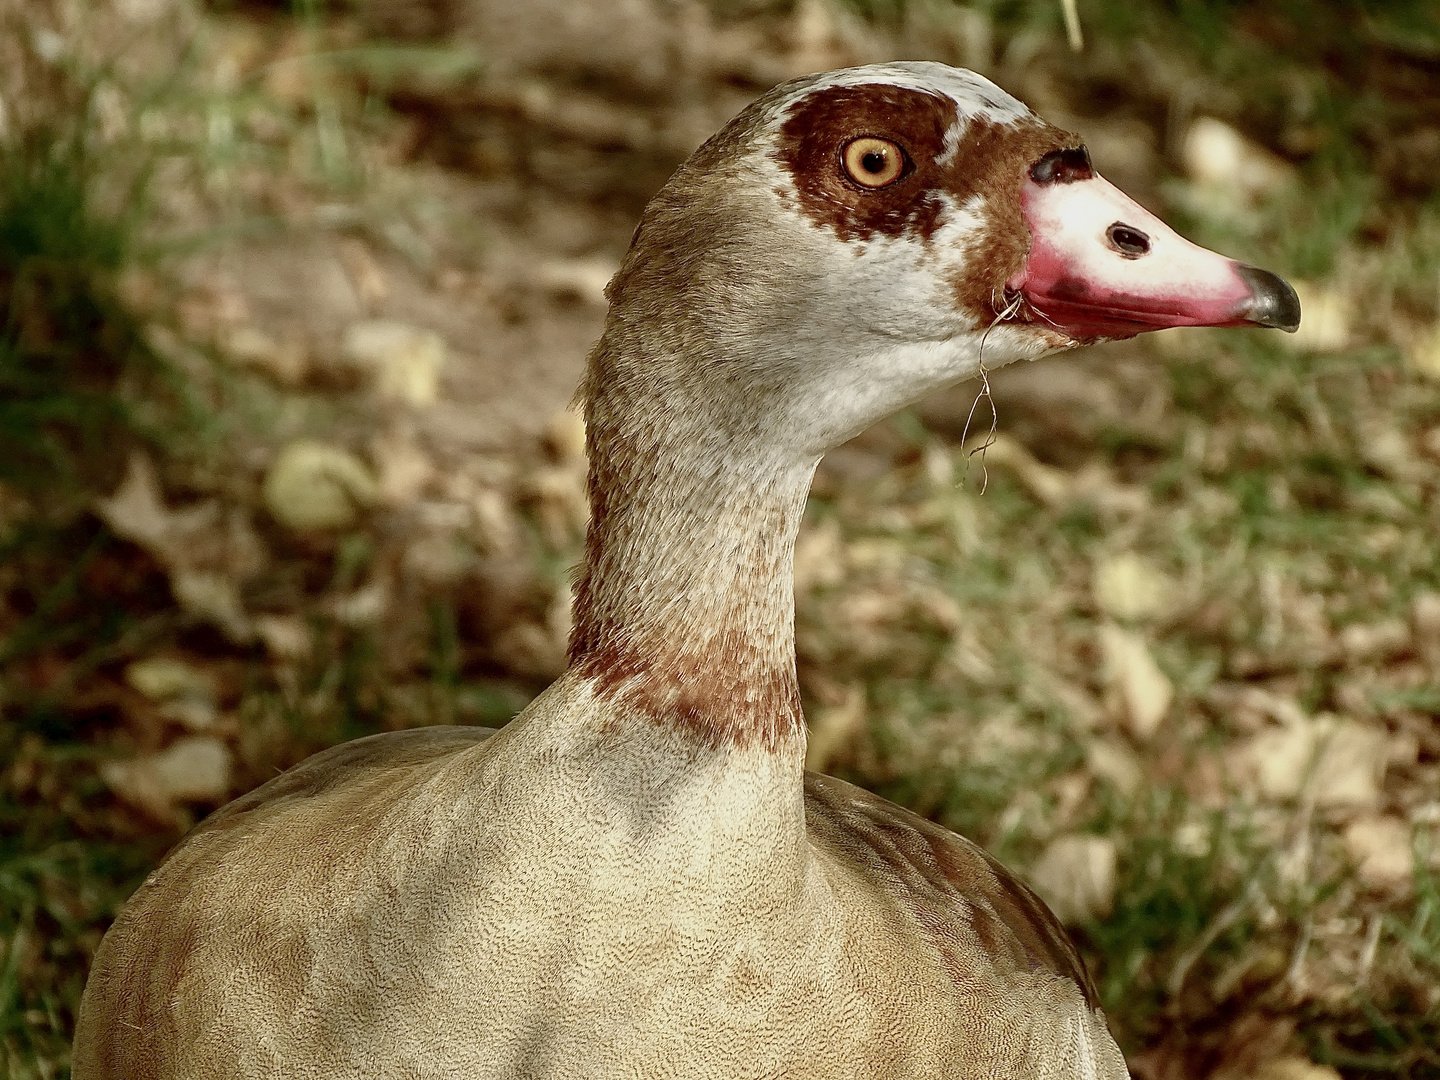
pixel 1272 301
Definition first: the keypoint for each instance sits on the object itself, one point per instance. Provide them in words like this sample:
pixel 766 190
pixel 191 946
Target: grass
pixel 62 874
pixel 80 388
pixel 1394 1034
pixel 74 364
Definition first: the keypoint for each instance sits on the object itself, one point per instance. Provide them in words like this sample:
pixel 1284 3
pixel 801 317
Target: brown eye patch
pixel 984 161
pixel 825 126
pixel 872 162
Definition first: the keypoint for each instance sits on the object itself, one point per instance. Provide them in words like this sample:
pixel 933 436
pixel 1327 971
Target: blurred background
pixel 295 298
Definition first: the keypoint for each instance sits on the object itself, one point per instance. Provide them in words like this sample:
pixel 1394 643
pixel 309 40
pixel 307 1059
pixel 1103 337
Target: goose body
pixel 636 877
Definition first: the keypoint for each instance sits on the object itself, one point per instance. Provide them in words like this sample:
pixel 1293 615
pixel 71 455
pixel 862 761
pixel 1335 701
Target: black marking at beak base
pixel 1063 167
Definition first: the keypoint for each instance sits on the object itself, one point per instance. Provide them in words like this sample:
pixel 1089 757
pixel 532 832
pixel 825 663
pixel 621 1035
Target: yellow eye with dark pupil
pixel 873 162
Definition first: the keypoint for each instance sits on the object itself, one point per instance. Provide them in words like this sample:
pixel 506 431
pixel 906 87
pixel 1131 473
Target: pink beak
pixel 1102 266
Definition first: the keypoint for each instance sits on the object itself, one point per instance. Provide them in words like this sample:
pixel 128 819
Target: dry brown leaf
pixel 437 558
pixel 1328 319
pixel 185 692
pixel 137 512
pixel 581 279
pixel 313 486
pixel 1218 157
pixel 285 637
pixel 1128 587
pixel 497 532
pixel 193 769
pixel 1293 1067
pixel 364 607
pixel 1049 485
pixel 365 273
pixel 403 361
pixel 215 598
pixel 1423 354
pixel 833 727
pixel 1381 848
pixel 561 501
pixel 819 555
pixel 530 649
pixel 164 678
pixel 1342 762
pixel 205 551
pixel 1111 761
pixel 1369 641
pixel 1076 876
pixel 287 362
pixel 403 468
pixel 1391 452
pixel 1425 616
pixel 1144 689
pixel 820 38
pixel 565 437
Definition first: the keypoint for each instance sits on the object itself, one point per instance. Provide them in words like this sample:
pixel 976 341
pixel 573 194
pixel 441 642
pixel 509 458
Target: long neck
pixel 685 606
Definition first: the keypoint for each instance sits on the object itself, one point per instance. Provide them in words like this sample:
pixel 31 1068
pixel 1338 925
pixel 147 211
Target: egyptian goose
pixel 636 877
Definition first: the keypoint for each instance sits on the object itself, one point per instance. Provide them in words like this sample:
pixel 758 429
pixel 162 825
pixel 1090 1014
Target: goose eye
pixel 873 162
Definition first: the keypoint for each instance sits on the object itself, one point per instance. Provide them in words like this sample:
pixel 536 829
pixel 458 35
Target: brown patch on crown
pixel 990 161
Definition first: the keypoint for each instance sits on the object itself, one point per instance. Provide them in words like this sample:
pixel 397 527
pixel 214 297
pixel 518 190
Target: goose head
pixel 847 244
pixel 856 239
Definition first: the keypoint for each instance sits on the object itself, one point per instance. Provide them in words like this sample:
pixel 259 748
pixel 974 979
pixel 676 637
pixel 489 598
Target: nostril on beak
pixel 1128 240
pixel 1272 301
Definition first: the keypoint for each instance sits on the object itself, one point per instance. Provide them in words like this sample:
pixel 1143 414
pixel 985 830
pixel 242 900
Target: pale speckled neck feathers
pixel 684 611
